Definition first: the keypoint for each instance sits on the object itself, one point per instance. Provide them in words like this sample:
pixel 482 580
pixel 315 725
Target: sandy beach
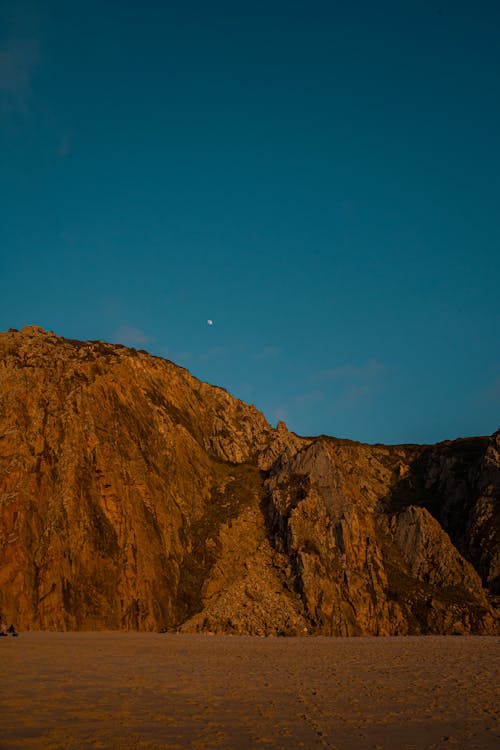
pixel 135 690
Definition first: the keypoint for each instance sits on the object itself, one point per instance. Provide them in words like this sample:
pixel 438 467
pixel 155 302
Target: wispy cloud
pixel 244 390
pixel 279 414
pixel 215 352
pixel 131 336
pixel 268 352
pixel 64 147
pixel 180 358
pixel 348 372
pixel 491 394
pixel 353 395
pixel 347 207
pixel 68 238
pixel 353 383
pixel 308 399
pixel 19 59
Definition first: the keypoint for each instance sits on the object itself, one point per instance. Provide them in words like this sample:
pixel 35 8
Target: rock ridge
pixel 134 496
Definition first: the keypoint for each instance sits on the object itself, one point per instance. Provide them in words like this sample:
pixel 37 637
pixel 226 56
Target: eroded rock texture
pixel 133 496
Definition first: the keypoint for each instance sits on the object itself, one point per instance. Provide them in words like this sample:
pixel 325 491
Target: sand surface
pixel 131 690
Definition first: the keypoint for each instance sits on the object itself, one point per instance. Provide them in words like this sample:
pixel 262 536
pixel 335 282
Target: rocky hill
pixel 133 496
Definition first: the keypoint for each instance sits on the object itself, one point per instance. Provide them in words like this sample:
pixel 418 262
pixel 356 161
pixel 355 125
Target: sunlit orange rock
pixel 133 496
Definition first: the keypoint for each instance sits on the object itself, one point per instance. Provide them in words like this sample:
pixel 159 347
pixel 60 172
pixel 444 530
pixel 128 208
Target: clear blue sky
pixel 320 179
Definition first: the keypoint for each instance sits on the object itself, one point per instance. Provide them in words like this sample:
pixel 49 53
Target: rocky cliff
pixel 133 496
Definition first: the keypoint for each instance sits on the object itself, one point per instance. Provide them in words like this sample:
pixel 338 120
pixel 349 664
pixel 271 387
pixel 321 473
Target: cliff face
pixel 134 496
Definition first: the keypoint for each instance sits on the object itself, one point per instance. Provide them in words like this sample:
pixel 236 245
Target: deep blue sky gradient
pixel 321 179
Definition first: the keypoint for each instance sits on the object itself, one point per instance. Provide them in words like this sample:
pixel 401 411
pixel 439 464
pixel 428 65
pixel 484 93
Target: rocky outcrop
pixel 459 483
pixel 361 571
pixel 133 496
pixel 429 553
pixel 482 534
